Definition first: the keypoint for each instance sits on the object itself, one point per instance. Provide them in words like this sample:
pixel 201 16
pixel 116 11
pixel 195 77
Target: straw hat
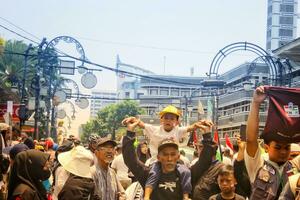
pixel 77 161
pixel 4 126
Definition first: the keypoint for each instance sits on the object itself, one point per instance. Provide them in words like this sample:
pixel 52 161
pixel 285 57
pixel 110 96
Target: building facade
pixel 100 99
pixel 281 23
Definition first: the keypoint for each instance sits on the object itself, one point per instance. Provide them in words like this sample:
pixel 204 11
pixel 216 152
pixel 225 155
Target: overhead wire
pixel 106 67
pixel 9 22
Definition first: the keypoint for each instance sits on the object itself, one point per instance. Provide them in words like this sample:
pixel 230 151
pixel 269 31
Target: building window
pixel 269 45
pixel 175 92
pixel 185 93
pixel 127 94
pixel 270 9
pixel 269 33
pixel 164 92
pixel 286 20
pixel 285 32
pixel 287 8
pixel 139 95
pixel 269 21
pixel 153 92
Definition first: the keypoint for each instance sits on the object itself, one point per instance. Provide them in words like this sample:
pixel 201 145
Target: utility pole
pixel 37 90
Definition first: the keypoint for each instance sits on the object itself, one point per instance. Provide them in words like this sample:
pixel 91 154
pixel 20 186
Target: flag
pixel 200 108
pixel 209 110
pixel 228 143
pixel 218 155
pixel 216 136
pixel 195 138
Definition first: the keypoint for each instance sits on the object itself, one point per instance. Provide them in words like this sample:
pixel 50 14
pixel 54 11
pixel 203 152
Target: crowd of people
pixel 157 168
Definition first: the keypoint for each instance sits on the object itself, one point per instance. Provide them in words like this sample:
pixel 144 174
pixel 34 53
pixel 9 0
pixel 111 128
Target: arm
pixel 241 144
pixel 138 168
pixel 206 155
pixel 197 125
pixel 253 121
pixel 204 162
pixel 130 120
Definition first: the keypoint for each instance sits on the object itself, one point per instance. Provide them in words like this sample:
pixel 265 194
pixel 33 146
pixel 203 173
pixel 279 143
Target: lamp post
pixel 37 89
pixel 22 110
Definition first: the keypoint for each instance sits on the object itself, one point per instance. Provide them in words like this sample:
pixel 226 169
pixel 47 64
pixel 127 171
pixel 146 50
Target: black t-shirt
pixel 219 197
pixel 168 187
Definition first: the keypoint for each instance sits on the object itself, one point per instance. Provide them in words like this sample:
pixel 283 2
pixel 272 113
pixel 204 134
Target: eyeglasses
pixel 106 148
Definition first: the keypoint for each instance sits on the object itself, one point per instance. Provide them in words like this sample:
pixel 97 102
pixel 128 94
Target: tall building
pixel 100 99
pixel 281 23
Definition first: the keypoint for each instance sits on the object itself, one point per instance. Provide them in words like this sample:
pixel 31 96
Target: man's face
pixel 279 152
pixel 227 183
pixel 169 121
pixel 168 158
pixel 105 153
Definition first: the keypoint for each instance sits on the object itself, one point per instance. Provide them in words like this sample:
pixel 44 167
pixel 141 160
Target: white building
pixel 100 99
pixel 281 23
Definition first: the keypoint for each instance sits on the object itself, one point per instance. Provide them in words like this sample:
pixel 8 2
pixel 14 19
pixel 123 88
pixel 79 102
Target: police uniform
pixel 269 183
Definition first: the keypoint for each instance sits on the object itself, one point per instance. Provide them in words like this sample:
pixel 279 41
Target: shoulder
pixel 293 182
pixel 239 197
pixel 24 191
pixel 213 197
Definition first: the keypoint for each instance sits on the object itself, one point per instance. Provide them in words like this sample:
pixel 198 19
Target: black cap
pixel 167 143
pixel 104 140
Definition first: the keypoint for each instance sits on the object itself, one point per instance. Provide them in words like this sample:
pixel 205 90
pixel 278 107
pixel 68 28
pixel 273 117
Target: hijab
pixel 141 156
pixel 28 170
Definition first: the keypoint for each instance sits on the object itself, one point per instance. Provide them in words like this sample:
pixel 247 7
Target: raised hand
pixel 131 125
pixel 204 125
pixel 128 120
pixel 259 95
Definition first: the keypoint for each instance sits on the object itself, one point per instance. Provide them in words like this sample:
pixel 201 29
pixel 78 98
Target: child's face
pixel 227 183
pixel 279 152
pixel 169 121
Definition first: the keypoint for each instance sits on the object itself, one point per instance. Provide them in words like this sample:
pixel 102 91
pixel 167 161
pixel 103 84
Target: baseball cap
pixel 102 141
pixel 170 109
pixel 167 143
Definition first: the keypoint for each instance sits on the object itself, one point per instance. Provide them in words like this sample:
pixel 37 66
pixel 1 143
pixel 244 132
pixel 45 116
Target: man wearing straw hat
pixel 79 184
pixel 107 185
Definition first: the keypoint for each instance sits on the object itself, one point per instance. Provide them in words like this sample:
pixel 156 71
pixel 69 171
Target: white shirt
pixel 157 134
pixel 194 161
pixel 61 176
pixel 226 160
pixel 253 164
pixel 120 167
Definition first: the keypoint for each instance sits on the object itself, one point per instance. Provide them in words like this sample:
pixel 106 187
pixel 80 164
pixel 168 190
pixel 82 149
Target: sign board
pixel 14 113
pixel 9 107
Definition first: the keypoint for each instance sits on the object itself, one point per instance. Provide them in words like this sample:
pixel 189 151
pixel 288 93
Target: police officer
pixel 268 176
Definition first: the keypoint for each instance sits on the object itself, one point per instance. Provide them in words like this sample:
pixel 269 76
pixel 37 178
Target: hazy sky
pixel 187 33
pixel 143 32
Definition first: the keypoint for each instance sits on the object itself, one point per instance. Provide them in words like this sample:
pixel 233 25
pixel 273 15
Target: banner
pixel 209 110
pixel 14 114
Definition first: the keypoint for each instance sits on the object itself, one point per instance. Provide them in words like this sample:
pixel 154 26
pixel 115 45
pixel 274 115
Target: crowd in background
pixel 156 168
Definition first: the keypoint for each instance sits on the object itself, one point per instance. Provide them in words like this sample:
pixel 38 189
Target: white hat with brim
pixel 77 161
pixel 4 126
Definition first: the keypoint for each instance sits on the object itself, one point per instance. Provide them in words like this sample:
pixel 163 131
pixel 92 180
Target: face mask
pixel 45 175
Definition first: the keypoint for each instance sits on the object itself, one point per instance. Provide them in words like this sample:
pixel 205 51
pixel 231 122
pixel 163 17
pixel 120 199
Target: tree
pixel 12 64
pixel 109 119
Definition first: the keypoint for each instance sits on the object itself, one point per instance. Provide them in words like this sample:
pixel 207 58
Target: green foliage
pixel 108 120
pixel 12 65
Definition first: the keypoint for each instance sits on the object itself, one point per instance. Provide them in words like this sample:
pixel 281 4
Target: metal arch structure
pixel 75 85
pixel 68 39
pixel 242 46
